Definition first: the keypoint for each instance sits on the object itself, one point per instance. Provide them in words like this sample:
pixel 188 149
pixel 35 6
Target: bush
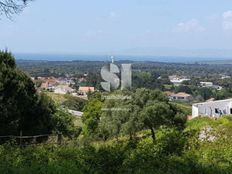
pixel 74 103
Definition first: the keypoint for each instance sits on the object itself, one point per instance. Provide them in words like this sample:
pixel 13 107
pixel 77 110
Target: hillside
pixel 172 153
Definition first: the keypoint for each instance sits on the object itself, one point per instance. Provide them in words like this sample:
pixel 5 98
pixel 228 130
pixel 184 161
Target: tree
pixel 74 103
pixel 91 117
pixel 157 114
pixel 63 122
pixel 119 116
pixel 147 109
pixel 206 93
pixel 10 7
pixel 21 108
pixel 184 88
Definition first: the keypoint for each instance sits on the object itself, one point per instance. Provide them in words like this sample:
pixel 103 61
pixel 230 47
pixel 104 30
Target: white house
pixel 212 108
pixel 225 77
pixel 206 84
pixel 210 85
pixel 177 81
pixel 181 96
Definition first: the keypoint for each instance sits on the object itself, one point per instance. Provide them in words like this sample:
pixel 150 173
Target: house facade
pixel 84 90
pixel 181 96
pixel 178 81
pixel 212 108
pixel 206 84
pixel 210 85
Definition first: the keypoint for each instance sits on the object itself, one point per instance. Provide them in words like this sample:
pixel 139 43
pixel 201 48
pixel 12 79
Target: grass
pixel 184 107
pixel 78 122
pixel 200 122
pixel 60 98
pixel 114 157
pixel 57 98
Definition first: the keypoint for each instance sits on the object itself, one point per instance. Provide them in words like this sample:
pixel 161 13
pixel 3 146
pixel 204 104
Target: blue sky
pixel 119 27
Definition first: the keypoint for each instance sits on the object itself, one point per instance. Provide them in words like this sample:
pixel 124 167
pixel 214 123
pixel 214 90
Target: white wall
pixel 195 111
pixel 208 108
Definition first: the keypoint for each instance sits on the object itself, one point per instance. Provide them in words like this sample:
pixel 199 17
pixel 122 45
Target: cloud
pixel 227 20
pixel 192 25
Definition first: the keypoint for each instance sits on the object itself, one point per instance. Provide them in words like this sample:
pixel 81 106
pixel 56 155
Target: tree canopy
pixel 132 112
pixel 24 110
pixel 21 108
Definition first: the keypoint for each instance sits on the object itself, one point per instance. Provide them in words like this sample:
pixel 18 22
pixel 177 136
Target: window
pixel 217 111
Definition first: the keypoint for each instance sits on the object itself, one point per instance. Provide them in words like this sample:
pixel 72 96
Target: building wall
pixel 212 109
pixel 195 112
pixel 184 99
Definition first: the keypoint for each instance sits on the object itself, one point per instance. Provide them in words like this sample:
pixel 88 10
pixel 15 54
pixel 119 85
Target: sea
pixel 73 57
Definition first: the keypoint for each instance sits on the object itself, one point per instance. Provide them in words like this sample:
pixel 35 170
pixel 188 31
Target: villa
pixel 181 96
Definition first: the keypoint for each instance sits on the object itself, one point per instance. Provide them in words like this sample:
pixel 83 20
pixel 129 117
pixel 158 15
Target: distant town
pixel 62 86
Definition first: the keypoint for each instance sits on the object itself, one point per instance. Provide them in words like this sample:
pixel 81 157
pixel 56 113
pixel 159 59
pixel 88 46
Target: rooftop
pixel 210 102
pixel 181 94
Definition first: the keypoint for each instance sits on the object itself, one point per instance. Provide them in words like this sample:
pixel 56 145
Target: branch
pixel 10 7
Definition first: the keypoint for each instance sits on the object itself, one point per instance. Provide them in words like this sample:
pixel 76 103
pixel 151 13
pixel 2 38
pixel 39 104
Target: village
pixel 62 86
pixel 71 86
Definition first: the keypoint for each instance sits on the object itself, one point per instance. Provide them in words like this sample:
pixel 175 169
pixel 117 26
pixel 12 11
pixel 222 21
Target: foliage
pixel 150 75
pixel 172 152
pixel 201 145
pixel 21 108
pixel 74 103
pixel 91 117
pixel 184 88
pixel 126 113
pixel 206 93
pixel 63 122
pixel 68 101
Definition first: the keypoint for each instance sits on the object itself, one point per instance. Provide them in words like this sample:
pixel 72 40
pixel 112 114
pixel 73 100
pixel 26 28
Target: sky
pixel 152 27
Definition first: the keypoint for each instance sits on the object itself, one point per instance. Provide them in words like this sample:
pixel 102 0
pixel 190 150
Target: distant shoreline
pixel 103 58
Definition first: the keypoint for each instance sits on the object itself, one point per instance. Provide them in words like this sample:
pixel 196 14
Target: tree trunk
pixel 152 134
pixel 131 136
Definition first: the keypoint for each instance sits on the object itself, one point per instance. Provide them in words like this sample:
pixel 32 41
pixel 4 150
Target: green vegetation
pixel 57 98
pixel 138 131
pixel 183 107
pixel 22 109
pixel 74 103
pixel 173 151
pixel 150 75
pixel 143 109
pixel 68 101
